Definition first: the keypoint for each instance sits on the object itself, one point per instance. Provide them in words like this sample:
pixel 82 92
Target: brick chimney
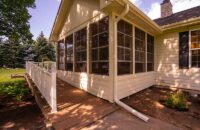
pixel 166 8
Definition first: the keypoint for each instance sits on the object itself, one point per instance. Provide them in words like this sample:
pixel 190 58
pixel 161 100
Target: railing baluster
pixel 45 81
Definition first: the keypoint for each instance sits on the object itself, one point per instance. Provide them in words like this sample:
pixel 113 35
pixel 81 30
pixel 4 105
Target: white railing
pixel 44 76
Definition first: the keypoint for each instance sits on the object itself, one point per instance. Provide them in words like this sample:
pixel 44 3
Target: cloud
pixel 154 11
pixel 178 5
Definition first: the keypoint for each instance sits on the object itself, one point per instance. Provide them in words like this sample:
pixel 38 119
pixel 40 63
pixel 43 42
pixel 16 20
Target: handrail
pixel 45 80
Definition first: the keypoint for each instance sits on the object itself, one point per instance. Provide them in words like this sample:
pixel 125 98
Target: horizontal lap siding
pixel 95 84
pixel 167 64
pixel 128 85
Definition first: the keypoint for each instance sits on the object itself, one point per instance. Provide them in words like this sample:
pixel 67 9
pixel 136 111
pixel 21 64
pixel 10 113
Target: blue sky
pixel 44 14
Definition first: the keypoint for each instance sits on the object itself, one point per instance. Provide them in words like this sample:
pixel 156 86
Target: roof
pixel 180 16
pixel 65 6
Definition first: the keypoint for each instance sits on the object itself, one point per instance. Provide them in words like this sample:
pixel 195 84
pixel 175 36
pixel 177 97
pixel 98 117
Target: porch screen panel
pixel 124 48
pixel 61 55
pixel 69 52
pixel 99 47
pixel 184 50
pixel 81 50
pixel 195 48
pixel 150 53
pixel 140 51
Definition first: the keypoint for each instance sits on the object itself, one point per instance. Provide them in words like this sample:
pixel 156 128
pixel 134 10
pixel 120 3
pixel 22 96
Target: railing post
pixel 53 89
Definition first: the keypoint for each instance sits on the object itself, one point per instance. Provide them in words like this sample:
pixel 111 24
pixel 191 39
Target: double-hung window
pixel 195 48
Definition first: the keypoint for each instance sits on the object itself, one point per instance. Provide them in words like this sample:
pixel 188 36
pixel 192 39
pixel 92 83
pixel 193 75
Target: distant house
pixel 111 48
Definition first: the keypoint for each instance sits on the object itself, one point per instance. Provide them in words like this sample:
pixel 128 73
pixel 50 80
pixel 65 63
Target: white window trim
pixel 190 48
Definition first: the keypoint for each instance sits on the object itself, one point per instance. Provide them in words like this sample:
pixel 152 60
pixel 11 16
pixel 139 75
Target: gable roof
pixel 65 7
pixel 180 16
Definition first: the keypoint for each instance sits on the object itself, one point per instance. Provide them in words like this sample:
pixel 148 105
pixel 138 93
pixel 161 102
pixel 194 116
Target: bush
pixel 15 89
pixel 177 101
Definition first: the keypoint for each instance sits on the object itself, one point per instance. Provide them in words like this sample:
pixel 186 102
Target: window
pixel 124 48
pixel 140 51
pixel 69 52
pixel 99 46
pixel 81 50
pixel 195 48
pixel 61 56
pixel 150 53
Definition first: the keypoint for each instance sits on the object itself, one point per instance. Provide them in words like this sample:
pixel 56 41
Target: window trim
pixel 66 62
pixel 133 47
pixel 190 48
pixel 85 50
pixel 91 61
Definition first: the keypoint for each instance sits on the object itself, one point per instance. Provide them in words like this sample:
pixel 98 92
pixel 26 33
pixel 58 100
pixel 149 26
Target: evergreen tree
pixel 43 49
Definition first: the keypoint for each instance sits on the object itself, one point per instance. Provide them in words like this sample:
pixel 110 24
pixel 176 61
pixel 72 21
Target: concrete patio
pixel 78 109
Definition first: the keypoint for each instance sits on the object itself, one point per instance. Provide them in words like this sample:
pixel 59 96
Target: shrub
pixel 177 101
pixel 15 89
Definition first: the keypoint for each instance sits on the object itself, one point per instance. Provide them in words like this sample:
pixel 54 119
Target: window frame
pixel 66 51
pixel 145 51
pixel 59 52
pixel 81 50
pixel 192 49
pixel 97 48
pixel 153 53
pixel 124 48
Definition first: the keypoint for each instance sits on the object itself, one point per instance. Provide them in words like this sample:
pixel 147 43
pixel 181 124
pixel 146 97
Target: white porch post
pixel 53 89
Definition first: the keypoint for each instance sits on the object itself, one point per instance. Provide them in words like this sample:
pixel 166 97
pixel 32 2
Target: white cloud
pixel 178 5
pixel 154 11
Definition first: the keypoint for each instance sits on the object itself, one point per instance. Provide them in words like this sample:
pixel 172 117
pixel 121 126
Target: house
pixel 110 48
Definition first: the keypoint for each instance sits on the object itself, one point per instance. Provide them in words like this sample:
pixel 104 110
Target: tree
pixel 14 31
pixel 43 49
pixel 14 20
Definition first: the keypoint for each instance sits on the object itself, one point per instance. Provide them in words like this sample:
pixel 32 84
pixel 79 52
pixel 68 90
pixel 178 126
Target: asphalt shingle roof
pixel 180 16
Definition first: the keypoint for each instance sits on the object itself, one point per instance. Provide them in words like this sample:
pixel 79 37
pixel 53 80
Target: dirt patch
pixel 148 102
pixel 20 114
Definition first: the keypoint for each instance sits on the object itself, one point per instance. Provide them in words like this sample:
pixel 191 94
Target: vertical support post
pixel 53 90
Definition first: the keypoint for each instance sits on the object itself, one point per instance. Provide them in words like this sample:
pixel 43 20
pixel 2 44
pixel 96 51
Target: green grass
pixel 12 87
pixel 5 74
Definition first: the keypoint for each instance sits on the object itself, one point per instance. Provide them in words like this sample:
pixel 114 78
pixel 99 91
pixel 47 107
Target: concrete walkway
pixel 78 109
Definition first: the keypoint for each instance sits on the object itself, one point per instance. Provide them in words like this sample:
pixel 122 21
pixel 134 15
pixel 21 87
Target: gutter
pixel 116 100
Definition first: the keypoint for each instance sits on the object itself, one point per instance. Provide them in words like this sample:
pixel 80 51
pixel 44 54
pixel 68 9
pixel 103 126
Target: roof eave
pixel 140 14
pixel 187 22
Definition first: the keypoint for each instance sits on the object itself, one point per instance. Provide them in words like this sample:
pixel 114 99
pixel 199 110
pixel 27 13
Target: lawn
pixel 5 74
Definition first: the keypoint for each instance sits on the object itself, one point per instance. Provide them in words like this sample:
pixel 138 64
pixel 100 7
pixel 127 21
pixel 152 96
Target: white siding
pixel 130 84
pixel 80 12
pixel 167 64
pixel 98 85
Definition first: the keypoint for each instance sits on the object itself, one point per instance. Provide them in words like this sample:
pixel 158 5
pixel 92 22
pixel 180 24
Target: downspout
pixel 117 101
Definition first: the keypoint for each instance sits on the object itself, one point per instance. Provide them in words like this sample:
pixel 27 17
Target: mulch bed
pixel 149 100
pixel 20 114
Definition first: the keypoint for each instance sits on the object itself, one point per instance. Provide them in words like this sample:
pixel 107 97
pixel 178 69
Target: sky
pixel 44 14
